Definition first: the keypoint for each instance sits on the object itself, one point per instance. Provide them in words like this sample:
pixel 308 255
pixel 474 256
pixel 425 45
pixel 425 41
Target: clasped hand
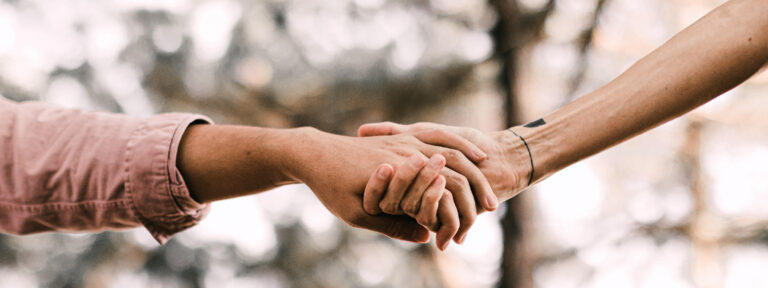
pixel 421 177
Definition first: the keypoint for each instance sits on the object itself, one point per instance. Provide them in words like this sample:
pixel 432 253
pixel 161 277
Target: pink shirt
pixel 69 170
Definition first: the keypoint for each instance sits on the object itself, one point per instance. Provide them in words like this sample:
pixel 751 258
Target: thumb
pixel 399 227
pixel 378 129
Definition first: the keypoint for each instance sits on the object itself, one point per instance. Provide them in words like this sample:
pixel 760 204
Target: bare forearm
pixel 220 162
pixel 703 61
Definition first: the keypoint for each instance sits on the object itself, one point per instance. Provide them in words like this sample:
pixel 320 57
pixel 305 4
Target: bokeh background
pixel 685 205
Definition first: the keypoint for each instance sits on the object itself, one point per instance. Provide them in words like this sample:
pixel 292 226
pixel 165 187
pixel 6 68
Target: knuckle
pixel 411 209
pixel 431 198
pixel 451 154
pixel 388 207
pixel 460 180
pixel 435 167
pixel 463 181
pixel 429 221
pixel 423 220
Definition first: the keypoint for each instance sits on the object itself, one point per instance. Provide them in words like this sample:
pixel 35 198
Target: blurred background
pixel 685 205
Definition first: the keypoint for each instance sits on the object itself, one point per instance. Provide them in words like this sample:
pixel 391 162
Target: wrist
pixel 545 152
pixel 517 167
pixel 303 151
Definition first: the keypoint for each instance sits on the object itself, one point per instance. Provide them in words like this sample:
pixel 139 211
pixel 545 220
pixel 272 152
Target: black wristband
pixel 530 156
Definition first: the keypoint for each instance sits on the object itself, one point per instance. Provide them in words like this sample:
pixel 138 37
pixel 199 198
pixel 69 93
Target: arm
pixel 222 162
pixel 70 170
pixel 713 55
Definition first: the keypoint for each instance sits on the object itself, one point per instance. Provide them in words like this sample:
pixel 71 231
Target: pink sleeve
pixel 69 170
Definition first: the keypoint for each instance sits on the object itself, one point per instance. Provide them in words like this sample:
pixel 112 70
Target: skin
pixel 710 57
pixel 220 162
pixel 713 55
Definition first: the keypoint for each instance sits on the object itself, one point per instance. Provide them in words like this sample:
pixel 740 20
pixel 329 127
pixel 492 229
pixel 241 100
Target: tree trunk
pixel 507 51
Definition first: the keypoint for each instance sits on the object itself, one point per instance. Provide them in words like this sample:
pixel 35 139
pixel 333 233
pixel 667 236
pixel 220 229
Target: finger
pixel 375 188
pixel 403 178
pixel 459 163
pixel 378 129
pixel 412 200
pixel 464 201
pixel 390 128
pixel 429 133
pixel 395 226
pixel 442 137
pixel 449 221
pixel 427 216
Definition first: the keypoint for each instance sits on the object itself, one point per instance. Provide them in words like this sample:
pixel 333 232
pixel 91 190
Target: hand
pixel 412 188
pixel 409 195
pixel 446 226
pixel 507 167
pixel 336 168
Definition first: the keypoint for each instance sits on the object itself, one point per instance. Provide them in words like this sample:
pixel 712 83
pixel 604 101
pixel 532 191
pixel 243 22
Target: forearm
pixel 703 61
pixel 220 162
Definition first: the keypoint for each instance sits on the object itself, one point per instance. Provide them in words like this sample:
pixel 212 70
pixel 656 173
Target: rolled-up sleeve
pixel 160 197
pixel 69 170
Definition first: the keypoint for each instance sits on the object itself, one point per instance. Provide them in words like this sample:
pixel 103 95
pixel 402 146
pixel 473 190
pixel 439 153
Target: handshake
pixel 421 177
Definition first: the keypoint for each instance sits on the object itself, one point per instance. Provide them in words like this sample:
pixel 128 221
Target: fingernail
pixel 480 154
pixel 461 240
pixel 417 162
pixel 383 173
pixel 445 245
pixel 490 202
pixel 436 161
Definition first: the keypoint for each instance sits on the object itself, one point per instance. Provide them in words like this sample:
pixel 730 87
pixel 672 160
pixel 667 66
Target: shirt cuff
pixel 161 199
